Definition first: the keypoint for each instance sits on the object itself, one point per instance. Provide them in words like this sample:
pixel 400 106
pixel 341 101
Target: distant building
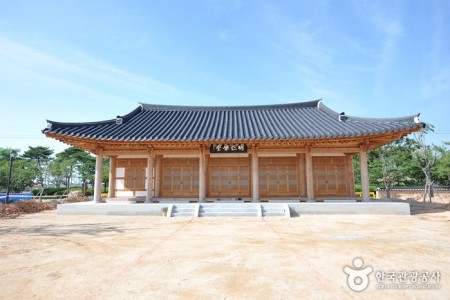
pixel 283 151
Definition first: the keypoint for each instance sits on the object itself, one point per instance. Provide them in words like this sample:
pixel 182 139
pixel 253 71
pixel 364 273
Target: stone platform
pixel 248 209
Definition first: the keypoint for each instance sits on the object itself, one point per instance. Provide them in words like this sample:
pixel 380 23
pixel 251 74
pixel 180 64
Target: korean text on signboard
pixel 228 148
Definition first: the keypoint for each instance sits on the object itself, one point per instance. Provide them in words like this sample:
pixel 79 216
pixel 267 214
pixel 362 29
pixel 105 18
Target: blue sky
pixel 77 61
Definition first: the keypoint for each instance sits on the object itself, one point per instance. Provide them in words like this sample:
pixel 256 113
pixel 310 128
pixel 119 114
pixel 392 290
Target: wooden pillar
pixel 98 177
pixel 255 176
pixel 202 176
pixel 158 176
pixel 112 177
pixel 301 174
pixel 309 177
pixel 350 175
pixel 149 174
pixel 364 174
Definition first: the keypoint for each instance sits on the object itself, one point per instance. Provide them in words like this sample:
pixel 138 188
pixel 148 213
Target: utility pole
pixel 12 154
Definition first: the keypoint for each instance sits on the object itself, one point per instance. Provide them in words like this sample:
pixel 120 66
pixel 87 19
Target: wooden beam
pixel 338 144
pixel 305 150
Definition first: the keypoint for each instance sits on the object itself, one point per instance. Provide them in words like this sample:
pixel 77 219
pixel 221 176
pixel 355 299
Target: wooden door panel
pixel 180 177
pixel 278 177
pixel 229 177
pixel 330 176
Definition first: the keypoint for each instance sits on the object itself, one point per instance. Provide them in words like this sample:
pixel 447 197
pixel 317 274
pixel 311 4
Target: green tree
pixel 62 171
pixel 384 168
pixel 443 165
pixel 70 161
pixel 426 156
pixel 105 173
pixel 42 155
pixel 22 173
pixel 38 153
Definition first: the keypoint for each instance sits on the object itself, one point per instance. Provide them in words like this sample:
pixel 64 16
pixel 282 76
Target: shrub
pixel 358 188
pixel 18 208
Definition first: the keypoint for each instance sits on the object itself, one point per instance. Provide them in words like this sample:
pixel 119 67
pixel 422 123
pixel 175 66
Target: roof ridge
pixel 147 106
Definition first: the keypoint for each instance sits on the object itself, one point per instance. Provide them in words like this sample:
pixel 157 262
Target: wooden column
pixel 149 174
pixel 255 176
pixel 98 177
pixel 301 174
pixel 364 174
pixel 202 176
pixel 112 177
pixel 309 177
pixel 158 176
pixel 351 175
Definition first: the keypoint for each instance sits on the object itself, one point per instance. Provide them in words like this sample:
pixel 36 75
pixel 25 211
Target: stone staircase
pixel 184 210
pixel 275 210
pixel 229 210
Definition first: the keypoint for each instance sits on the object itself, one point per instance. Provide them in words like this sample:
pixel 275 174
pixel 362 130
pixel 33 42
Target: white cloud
pixel 85 72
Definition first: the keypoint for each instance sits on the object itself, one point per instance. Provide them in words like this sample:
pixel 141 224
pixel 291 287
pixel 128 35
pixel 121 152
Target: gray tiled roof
pixel 295 121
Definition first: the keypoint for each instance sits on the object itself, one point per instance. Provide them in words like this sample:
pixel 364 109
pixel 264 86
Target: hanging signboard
pixel 228 148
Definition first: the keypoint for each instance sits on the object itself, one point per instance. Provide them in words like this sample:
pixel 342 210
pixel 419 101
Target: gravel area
pixel 46 256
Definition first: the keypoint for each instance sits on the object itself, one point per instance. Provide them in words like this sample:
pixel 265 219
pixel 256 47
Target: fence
pixel 441 193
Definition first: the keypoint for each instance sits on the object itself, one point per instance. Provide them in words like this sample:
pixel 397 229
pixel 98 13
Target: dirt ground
pixel 46 256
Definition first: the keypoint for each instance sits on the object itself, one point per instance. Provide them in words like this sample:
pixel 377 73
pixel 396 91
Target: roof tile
pixel 304 120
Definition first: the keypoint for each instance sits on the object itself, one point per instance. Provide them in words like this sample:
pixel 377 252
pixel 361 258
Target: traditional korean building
pixel 283 151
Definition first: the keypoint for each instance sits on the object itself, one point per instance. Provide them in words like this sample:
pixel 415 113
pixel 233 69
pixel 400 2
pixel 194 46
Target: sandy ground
pixel 46 256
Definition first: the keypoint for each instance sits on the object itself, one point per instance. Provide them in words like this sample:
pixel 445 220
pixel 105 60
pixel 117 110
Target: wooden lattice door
pixel 278 177
pixel 134 175
pixel 229 177
pixel 180 177
pixel 330 176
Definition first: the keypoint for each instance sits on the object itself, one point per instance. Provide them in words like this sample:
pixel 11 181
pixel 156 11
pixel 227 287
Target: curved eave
pixel 56 124
pixel 291 122
pixel 349 118
pixel 397 133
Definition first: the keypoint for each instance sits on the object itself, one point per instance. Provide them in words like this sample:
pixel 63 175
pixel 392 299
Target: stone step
pixel 184 210
pixel 225 214
pixel 181 209
pixel 273 214
pixel 182 215
pixel 273 210
pixel 229 210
